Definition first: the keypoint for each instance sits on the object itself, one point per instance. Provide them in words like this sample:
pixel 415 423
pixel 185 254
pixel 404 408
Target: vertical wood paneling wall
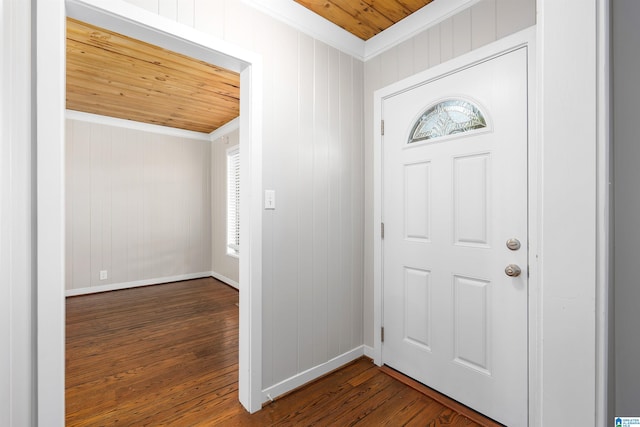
pixel 313 159
pixel 138 205
pixel 221 263
pixel 486 21
pixel 18 248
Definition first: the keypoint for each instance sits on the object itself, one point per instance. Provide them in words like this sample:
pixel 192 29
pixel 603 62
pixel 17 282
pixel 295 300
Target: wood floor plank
pixel 167 355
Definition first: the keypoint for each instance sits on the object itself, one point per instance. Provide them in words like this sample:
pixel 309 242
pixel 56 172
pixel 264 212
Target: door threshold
pixel 441 398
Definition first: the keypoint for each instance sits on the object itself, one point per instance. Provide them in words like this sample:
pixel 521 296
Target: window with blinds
pixel 233 201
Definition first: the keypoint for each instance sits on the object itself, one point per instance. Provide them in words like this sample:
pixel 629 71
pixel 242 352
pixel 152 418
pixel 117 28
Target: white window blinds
pixel 233 201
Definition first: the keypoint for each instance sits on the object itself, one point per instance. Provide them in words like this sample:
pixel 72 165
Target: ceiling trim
pixel 132 21
pixel 302 19
pixel 225 129
pixel 130 124
pixel 306 21
pixel 419 21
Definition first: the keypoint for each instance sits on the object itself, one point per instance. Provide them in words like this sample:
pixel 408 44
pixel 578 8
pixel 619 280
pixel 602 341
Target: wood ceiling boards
pixel 364 18
pixel 113 75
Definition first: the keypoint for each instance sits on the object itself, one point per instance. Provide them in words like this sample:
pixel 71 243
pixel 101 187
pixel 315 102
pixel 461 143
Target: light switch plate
pixel 269 199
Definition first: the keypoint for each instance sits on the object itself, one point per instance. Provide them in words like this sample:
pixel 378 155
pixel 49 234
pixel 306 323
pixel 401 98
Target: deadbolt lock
pixel 513 244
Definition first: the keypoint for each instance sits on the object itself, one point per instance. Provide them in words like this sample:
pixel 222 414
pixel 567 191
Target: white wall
pixel 483 23
pixel 571 204
pixel 626 104
pixel 313 159
pixel 138 205
pixel 221 263
pixel 17 216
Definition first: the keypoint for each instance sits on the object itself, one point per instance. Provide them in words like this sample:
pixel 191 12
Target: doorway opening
pixel 142 25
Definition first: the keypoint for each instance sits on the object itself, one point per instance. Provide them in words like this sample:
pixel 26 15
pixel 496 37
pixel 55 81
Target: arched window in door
pixel 447 117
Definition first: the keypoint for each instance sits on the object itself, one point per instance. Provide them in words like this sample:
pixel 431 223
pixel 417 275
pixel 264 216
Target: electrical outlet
pixel 103 275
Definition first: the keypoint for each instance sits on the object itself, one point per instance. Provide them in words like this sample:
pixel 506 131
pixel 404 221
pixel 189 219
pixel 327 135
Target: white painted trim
pixel 368 351
pixel 316 372
pixel 130 124
pixel 569 211
pixel 143 25
pixel 314 25
pixel 150 282
pixel 50 159
pixel 302 19
pixel 225 129
pixel 535 334
pixel 377 225
pixel 224 279
pixel 604 217
pixel 419 21
pixel 515 41
pixel 136 284
pixel 535 176
pixel 250 352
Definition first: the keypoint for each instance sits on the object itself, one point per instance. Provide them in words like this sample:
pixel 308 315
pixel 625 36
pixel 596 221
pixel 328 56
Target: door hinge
pixel 382 230
pixel 382 334
pixel 381 127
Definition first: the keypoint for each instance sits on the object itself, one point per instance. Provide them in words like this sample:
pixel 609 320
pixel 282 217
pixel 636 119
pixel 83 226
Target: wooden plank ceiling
pixel 364 18
pixel 113 75
pixel 117 76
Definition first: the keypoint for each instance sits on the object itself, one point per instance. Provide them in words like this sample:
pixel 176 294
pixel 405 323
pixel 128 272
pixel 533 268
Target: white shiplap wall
pixel 484 22
pixel 221 264
pixel 312 281
pixel 138 205
pixel 18 278
pixel 313 159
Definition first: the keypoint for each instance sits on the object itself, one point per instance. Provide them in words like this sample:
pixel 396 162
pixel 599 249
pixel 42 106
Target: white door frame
pixel 135 22
pixel 523 38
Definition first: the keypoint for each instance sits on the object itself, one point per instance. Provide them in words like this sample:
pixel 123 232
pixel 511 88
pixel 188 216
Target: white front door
pixel 454 193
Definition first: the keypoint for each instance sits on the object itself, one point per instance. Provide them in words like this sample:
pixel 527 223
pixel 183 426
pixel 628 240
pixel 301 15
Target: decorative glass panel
pixel 447 118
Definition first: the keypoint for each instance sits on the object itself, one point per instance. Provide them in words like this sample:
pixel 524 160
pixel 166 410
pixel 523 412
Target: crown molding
pixel 133 21
pixel 419 21
pixel 308 22
pixel 314 25
pixel 225 129
pixel 130 124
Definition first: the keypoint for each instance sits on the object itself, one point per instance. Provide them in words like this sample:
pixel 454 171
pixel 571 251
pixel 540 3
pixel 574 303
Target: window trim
pixel 232 225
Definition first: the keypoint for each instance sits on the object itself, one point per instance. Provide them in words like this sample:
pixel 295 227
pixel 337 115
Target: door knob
pixel 512 270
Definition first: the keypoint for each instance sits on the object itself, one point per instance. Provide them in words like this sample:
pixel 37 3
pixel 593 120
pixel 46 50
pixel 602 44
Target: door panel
pixel 471 199
pixel 471 322
pixel 453 319
pixel 417 313
pixel 416 198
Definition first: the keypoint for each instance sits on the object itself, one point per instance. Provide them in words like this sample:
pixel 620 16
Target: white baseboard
pixel 302 378
pixel 147 282
pixel 368 351
pixel 225 279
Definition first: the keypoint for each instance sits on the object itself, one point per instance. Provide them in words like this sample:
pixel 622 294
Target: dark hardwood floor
pixel 168 355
